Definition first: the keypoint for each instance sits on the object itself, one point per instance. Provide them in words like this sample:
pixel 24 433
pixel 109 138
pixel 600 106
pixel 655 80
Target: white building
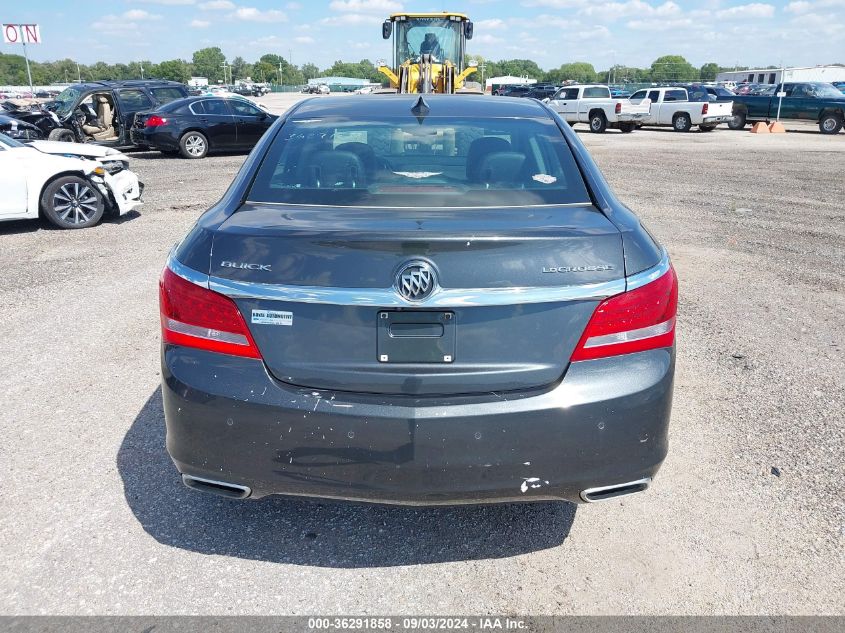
pixel 773 75
pixel 493 83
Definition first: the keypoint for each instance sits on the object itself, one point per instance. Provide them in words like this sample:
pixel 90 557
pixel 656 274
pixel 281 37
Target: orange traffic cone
pixel 760 128
pixel 776 128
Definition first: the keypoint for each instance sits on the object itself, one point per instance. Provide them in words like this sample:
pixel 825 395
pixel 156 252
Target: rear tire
pixel 61 134
pixel 737 121
pixel 627 128
pixel 830 124
pixel 598 122
pixel 71 202
pixel 681 122
pixel 193 145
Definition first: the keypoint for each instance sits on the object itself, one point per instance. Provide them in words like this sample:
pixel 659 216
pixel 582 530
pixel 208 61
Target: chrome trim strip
pixel 388 297
pixel 259 203
pixel 188 274
pixel 649 274
pixel 645 481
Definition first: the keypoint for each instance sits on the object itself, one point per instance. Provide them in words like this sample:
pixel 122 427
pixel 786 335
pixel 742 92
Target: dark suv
pixel 98 112
pixel 541 92
pixel 513 91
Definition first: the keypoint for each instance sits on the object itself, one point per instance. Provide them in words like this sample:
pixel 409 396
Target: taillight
pixel 193 316
pixel 635 321
pixel 618 107
pixel 704 108
pixel 155 120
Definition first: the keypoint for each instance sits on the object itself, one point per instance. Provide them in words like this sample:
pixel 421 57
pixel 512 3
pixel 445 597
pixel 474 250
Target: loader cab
pixel 441 35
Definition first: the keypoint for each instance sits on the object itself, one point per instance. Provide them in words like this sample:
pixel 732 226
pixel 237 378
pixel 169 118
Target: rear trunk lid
pixel 318 289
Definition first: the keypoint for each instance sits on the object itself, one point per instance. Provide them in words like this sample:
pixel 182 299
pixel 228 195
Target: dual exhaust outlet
pixel 236 491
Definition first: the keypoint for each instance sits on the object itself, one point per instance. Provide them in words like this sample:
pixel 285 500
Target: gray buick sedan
pixel 422 300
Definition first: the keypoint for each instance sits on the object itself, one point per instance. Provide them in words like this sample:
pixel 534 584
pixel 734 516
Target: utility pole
pixel 141 64
pixel 281 77
pixel 78 73
pixel 26 57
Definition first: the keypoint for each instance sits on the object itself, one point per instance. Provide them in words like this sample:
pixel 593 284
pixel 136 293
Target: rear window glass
pixel 698 93
pixel 596 93
pixel 166 95
pixel 403 162
pixel 675 95
pixel 134 100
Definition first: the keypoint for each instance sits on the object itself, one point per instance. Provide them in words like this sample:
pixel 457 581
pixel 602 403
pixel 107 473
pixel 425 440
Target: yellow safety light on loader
pixel 429 51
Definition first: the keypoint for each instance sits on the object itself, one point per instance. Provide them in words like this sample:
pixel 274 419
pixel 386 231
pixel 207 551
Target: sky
pixel 551 32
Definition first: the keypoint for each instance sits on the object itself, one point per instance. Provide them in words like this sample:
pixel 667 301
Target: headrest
pixel 502 167
pixel 478 149
pixel 336 169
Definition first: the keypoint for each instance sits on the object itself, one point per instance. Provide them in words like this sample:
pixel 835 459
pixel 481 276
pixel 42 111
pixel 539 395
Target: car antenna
pixel 420 110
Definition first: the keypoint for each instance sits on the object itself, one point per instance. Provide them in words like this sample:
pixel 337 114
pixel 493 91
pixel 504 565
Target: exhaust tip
pixel 591 495
pixel 219 488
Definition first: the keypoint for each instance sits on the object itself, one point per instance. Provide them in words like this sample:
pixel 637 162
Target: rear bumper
pixel 631 117
pixel 722 118
pixel 606 423
pixel 153 140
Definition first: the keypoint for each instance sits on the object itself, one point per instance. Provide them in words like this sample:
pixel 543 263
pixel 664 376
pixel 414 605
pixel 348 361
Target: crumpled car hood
pixel 83 150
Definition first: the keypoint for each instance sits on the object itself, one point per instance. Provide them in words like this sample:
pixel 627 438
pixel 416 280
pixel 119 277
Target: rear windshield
pixel 432 162
pixel 166 95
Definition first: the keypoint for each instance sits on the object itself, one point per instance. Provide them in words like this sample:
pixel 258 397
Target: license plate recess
pixel 416 336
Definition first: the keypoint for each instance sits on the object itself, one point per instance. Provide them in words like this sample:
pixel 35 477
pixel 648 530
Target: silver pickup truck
pixel 682 109
pixel 593 104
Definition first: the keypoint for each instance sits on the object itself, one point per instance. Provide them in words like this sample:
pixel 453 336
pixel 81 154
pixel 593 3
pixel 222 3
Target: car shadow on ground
pixel 14 227
pixel 156 155
pixel 302 532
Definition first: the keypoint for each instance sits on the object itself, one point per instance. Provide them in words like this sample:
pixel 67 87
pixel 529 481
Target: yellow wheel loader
pixel 429 51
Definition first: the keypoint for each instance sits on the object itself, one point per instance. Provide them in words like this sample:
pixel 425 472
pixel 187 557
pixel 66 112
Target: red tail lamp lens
pixel 635 321
pixel 193 316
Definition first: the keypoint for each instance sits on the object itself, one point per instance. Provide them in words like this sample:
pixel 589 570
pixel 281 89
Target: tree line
pixel 667 68
pixel 271 68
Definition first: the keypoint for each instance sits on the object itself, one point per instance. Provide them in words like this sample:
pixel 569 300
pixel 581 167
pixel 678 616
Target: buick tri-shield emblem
pixel 415 281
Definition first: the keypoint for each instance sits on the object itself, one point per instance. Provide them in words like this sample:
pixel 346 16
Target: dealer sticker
pixel 272 317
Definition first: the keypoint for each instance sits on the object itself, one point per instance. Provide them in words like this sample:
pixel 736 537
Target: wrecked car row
pixel 101 112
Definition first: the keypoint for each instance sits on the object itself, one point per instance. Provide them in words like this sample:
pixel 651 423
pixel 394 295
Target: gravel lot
pixel 746 516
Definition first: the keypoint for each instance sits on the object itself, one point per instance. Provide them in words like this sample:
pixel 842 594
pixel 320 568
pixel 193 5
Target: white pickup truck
pixel 593 104
pixel 682 109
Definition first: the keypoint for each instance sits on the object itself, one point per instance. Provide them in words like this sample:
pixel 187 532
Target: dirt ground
pixel 746 516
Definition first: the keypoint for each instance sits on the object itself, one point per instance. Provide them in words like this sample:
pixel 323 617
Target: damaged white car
pixel 70 184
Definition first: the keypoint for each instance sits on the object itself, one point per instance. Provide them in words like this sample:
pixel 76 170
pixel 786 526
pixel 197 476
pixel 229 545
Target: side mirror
pixel 386 29
pixel 468 28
